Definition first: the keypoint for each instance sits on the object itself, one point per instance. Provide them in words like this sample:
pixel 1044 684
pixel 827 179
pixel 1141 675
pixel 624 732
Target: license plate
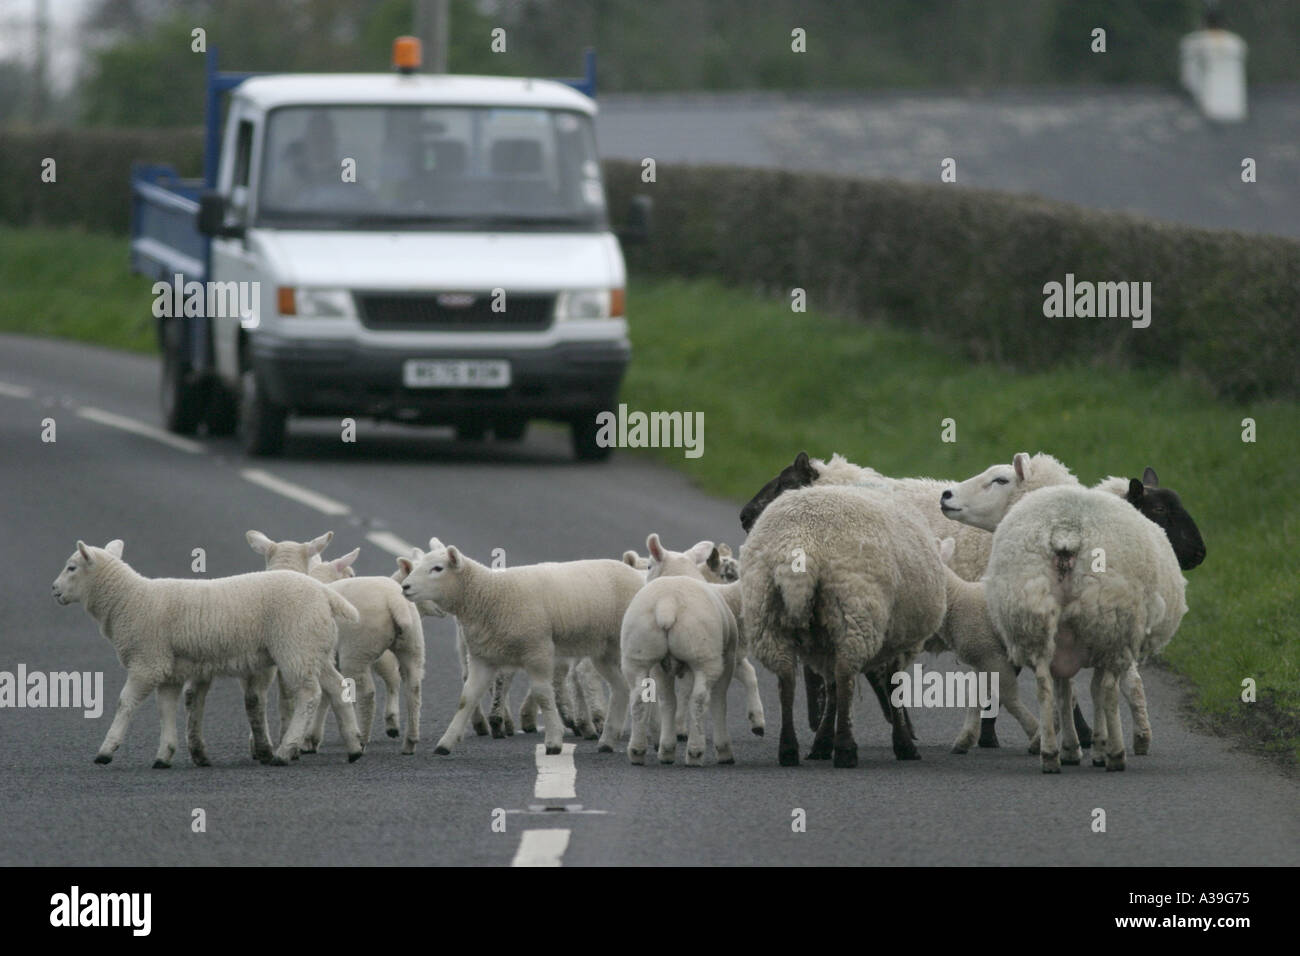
pixel 428 373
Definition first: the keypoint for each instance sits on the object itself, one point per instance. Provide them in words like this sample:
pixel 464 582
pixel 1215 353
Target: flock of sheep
pixel 844 569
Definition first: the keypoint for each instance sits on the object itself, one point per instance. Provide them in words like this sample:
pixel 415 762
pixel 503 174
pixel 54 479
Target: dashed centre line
pixel 15 391
pixel 541 848
pixel 125 424
pixel 557 776
pixel 298 493
pixel 390 543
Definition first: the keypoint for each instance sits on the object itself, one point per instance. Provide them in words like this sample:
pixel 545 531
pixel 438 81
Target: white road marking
pixel 139 428
pixel 298 493
pixel 15 391
pixel 556 774
pixel 390 543
pixel 541 848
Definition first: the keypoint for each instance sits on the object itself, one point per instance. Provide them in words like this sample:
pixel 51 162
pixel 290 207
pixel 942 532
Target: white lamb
pixel 170 630
pixel 678 620
pixel 526 617
pixel 389 624
pixel 849 581
pixel 1079 578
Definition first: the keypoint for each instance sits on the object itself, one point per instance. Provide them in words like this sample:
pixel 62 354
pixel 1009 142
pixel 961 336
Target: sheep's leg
pixel 134 691
pixel 1114 730
pixel 499 715
pixel 331 685
pixel 1081 727
pixel 788 748
pixel 1133 689
pixel 721 732
pixel 824 740
pixel 682 723
pixel 815 692
pixel 412 675
pixel 699 709
pixel 593 692
pixel 845 753
pixel 169 696
pixel 970 731
pixel 480 675
pixel 1050 752
pixel 1009 700
pixel 389 672
pixel 667 716
pixel 581 710
pixel 637 744
pixel 315 733
pixel 285 701
pixel 1098 721
pixel 542 677
pixel 1071 752
pixel 753 702
pixel 359 671
pixel 256 686
pixel 619 693
pixel 304 700
pixel 462 651
pixel 563 703
pixel 196 696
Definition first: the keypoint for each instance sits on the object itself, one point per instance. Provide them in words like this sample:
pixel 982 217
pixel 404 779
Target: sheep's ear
pixel 115 547
pixel 1149 478
pixel 259 542
pixel 434 544
pixel 804 468
pixel 453 557
pixel 345 562
pixel 724 549
pixel 630 558
pixel 655 548
pixel 405 564
pixel 946 549
pixel 1136 491
pixel 699 552
pixel 84 551
pixel 715 561
pixel 317 545
pixel 1021 464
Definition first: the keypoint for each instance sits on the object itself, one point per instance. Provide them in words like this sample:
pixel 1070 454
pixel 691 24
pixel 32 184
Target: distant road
pixel 1142 150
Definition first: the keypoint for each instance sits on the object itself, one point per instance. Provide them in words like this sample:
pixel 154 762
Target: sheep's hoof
pixel 103 758
pixel 989 738
pixel 607 749
pixel 599 724
pixel 1071 758
pixel 200 760
pixel 667 756
pixel 682 738
pixel 528 726
pixel 846 756
pixel 497 728
pixel 1142 745
pixel 1115 763
pixel 279 761
pixel 354 756
pixel 161 765
pixel 552 751
pixel 1099 761
pixel 756 731
pixel 821 750
pixel 788 756
pixel 1052 762
pixel 441 751
pixel 1035 745
pixel 959 749
pixel 592 734
pixel 394 732
pixel 726 757
pixel 695 758
pixel 636 757
pixel 908 752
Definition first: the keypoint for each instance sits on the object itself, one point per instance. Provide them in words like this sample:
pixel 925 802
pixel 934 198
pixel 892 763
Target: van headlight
pixel 589 304
pixel 316 303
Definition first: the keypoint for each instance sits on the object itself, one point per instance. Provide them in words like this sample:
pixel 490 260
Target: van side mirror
pixel 639 218
pixel 212 217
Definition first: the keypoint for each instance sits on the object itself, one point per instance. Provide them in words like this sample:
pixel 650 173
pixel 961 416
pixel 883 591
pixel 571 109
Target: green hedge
pixel 93 169
pixel 968 266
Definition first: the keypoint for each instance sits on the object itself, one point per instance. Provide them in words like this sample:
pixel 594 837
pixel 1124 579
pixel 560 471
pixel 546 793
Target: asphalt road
pixel 1143 150
pixel 1194 800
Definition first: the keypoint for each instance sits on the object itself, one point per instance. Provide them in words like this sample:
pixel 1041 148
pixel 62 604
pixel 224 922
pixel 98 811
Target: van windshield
pixel 393 167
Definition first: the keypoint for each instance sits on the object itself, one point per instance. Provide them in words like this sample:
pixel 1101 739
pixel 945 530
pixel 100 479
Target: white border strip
pixel 556 774
pixel 541 848
pixel 390 543
pixel 139 428
pixel 15 391
pixel 298 493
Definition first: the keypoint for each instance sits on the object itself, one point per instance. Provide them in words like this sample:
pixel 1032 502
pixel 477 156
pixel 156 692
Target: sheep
pixel 849 581
pixel 170 630
pixel 969 633
pixel 925 495
pixel 982 502
pixel 389 624
pixel 677 620
pixel 1079 578
pixel 526 617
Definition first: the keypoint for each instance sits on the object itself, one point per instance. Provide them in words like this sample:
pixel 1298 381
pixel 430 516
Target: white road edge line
pixel 15 391
pixel 556 774
pixel 298 493
pixel 390 543
pixel 541 848
pixel 139 428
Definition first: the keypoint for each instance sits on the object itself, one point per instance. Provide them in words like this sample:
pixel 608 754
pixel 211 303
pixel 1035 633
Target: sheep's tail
pixel 797 590
pixel 1064 540
pixel 666 612
pixel 341 607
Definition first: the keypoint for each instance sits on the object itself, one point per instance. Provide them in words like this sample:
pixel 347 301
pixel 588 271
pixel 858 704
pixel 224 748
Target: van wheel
pixel 512 430
pixel 584 432
pixel 261 421
pixel 180 398
pixel 222 416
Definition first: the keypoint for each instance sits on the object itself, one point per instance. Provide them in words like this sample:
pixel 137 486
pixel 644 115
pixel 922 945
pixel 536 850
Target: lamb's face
pixel 435 577
pixel 327 572
pixel 798 474
pixel 70 586
pixel 984 500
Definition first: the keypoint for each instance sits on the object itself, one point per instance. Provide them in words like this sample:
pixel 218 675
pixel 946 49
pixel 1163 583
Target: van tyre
pixel 222 416
pixel 180 397
pixel 584 432
pixel 261 421
pixel 512 430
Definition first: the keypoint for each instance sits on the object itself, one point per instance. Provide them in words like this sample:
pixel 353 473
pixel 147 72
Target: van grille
pixel 454 312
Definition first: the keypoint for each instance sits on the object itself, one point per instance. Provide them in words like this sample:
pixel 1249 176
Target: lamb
pixel 526 617
pixel 170 630
pixel 677 620
pixel 969 633
pixel 849 581
pixel 389 624
pixel 1079 578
